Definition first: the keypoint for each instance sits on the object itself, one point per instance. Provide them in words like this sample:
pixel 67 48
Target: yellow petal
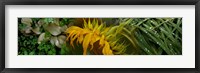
pixel 106 49
pixel 85 24
pixel 85 31
pixel 90 26
pixel 93 40
pixel 72 37
pixel 71 42
pixel 97 32
pixel 100 27
pixel 80 40
pixel 73 28
pixel 101 41
pixel 105 30
pixel 70 33
pixel 96 25
pixel 96 39
pixel 76 36
pixel 86 43
pixel 94 21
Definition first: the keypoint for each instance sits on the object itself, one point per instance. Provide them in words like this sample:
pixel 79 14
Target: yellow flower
pixel 91 32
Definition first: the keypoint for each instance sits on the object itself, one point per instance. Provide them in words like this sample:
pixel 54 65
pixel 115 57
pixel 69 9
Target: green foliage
pixel 66 49
pixel 47 34
pixel 46 48
pixel 35 22
pixel 28 42
pixel 64 21
pixel 48 20
pixel 27 45
pixel 157 35
pixel 22 26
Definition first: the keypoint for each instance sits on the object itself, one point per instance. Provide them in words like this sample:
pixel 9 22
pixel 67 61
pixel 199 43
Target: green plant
pixel 48 33
pixel 46 48
pixel 156 35
pixel 27 45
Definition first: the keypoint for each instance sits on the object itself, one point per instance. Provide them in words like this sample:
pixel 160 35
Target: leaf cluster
pixel 27 45
pixel 157 36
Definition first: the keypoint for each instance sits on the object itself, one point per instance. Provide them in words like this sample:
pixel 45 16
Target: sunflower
pixel 91 33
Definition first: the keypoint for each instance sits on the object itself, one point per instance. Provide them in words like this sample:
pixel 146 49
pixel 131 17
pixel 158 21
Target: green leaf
pixel 50 52
pixel 27 21
pixel 48 20
pixel 32 53
pixel 53 29
pixel 25 52
pixel 62 52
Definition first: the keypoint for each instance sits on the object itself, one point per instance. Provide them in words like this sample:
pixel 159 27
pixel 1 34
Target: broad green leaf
pixel 41 38
pixel 53 29
pixel 27 21
pixel 36 30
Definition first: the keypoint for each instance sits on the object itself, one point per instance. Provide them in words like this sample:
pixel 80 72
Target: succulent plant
pixel 52 31
pixel 25 26
pixel 48 29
